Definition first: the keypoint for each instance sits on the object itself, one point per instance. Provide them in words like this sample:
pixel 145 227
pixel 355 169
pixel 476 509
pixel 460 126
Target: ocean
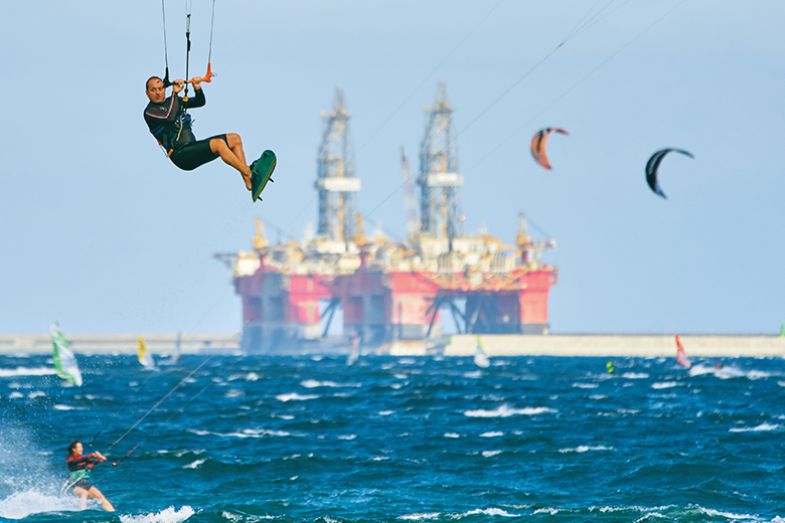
pixel 310 438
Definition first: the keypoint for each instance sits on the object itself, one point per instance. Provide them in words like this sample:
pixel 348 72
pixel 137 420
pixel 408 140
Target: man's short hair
pixel 147 83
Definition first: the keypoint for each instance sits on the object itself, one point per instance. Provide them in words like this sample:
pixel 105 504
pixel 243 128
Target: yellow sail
pixel 144 357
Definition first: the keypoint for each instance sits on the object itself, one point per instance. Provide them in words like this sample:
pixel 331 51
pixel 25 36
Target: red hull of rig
pixel 383 291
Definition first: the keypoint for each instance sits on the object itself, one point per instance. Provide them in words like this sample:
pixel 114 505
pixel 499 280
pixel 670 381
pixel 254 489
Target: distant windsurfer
pixel 79 467
pixel 170 124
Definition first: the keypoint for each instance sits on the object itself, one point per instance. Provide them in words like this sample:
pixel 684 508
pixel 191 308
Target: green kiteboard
pixel 261 173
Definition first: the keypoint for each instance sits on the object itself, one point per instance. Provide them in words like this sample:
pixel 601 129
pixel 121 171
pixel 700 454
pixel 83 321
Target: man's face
pixel 156 91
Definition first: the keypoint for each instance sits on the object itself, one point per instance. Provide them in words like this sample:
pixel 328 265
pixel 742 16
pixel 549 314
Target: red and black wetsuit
pixel 170 124
pixel 79 467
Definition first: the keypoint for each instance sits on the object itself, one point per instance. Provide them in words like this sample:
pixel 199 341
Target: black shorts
pixel 83 483
pixel 195 154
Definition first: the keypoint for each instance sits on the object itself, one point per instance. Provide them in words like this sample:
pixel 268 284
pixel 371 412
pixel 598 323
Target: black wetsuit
pixel 170 124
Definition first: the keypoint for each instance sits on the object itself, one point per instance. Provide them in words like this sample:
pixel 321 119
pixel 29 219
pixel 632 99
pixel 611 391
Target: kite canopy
pixel 539 141
pixel 653 165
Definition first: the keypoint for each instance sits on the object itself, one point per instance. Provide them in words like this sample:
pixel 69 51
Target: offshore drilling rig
pixel 388 292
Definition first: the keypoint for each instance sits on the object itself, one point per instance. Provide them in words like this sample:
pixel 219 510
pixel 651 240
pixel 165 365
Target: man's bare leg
pixel 236 145
pixel 220 147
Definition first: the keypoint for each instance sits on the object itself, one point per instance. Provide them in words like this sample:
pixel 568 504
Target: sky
pixel 103 234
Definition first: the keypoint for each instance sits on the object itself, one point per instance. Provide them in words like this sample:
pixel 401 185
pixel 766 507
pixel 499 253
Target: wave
pixel 27 371
pixel 493 511
pixel 585 385
pixel 635 375
pixel 244 433
pixel 249 376
pixel 169 515
pixel 293 396
pixel 505 412
pixel 580 449
pixel 419 517
pixel 313 384
pixel 58 406
pixel 664 385
pixel 20 505
pixel 195 464
pixel 763 427
pixel 727 372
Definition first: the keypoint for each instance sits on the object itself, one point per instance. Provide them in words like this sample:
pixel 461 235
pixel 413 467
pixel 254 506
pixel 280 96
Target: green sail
pixel 65 361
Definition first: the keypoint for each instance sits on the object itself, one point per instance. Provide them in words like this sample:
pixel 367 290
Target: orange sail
pixel 681 354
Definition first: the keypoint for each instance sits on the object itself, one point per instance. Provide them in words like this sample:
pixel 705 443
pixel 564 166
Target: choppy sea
pixel 263 438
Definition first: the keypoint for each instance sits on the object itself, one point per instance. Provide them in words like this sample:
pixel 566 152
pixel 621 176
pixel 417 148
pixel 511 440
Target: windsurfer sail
pixel 354 355
pixel 144 356
pixel 480 358
pixel 65 361
pixel 681 354
pixel 177 350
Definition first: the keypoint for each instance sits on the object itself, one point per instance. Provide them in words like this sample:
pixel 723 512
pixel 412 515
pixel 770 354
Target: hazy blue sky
pixel 102 233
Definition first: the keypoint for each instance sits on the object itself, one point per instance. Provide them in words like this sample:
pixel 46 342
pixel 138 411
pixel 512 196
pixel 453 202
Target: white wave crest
pixel 585 385
pixel 257 433
pixel 505 412
pixel 724 372
pixel 493 511
pixel 492 434
pixel 729 515
pixel 20 505
pixel 67 407
pixel 580 449
pixel 26 371
pixel 312 384
pixel 635 375
pixel 418 517
pixel 195 464
pixel 664 385
pixel 169 515
pixel 293 396
pixel 763 427
pixel 490 453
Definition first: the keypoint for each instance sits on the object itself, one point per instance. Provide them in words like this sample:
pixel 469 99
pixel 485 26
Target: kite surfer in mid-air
pixel 79 467
pixel 170 124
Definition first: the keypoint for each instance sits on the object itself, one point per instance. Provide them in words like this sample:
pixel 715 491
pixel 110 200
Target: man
pixel 170 124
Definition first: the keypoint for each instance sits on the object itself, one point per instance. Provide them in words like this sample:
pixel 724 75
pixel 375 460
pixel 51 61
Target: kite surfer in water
pixel 79 467
pixel 170 124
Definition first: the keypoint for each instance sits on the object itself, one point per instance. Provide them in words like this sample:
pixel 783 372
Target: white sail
pixel 354 355
pixel 480 358
pixel 177 350
pixel 65 361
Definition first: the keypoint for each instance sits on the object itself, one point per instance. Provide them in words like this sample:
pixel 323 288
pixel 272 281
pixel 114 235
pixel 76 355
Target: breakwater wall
pixel 618 345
